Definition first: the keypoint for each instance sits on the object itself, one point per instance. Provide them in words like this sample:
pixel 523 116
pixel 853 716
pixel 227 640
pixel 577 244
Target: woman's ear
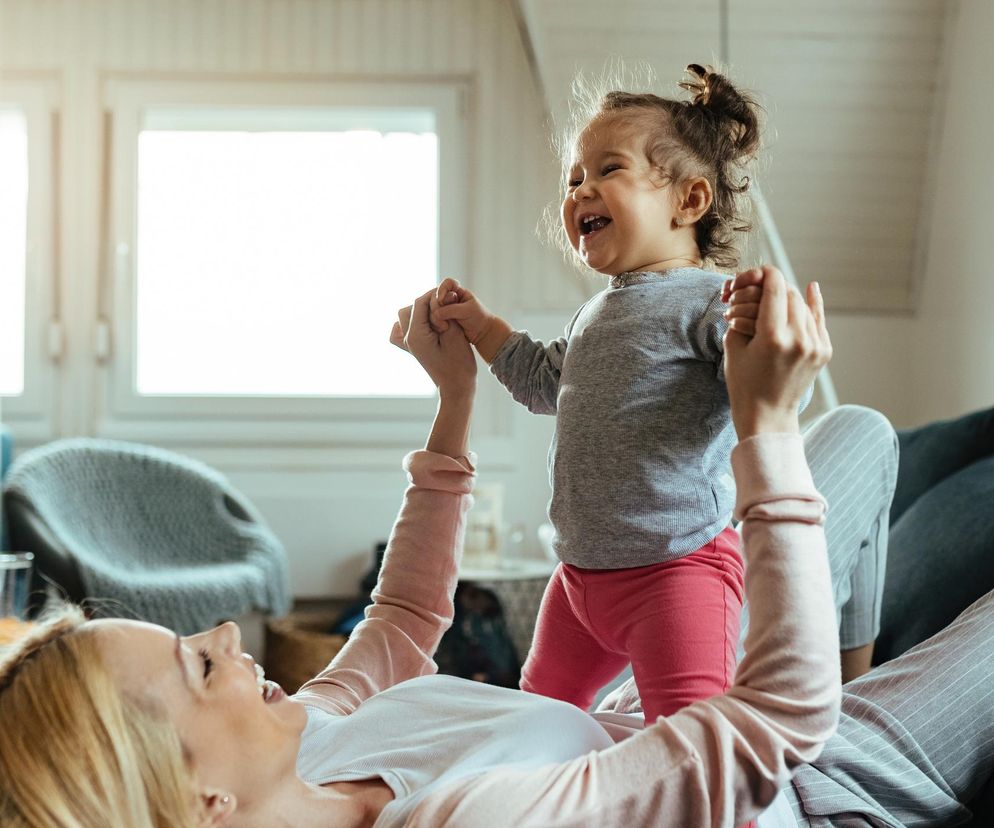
pixel 694 197
pixel 216 807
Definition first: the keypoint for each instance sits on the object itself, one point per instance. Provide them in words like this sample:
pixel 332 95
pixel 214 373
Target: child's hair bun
pixel 699 85
pixel 736 113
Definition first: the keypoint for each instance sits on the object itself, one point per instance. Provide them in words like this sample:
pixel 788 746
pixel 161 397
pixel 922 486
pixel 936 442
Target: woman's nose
pixel 229 637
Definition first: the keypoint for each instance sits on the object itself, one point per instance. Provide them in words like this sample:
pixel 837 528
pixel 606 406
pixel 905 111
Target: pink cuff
pixel 770 469
pixel 430 470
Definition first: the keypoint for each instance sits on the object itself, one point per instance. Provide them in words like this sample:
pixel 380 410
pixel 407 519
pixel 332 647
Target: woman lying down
pixel 123 724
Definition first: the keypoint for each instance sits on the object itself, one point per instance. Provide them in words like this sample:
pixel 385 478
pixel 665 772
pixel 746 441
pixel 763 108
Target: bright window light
pixel 13 247
pixel 272 258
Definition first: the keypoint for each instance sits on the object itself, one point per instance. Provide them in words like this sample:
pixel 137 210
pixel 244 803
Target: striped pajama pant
pixel 916 734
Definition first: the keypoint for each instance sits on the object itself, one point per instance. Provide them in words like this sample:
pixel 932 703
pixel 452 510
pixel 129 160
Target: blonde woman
pixel 123 724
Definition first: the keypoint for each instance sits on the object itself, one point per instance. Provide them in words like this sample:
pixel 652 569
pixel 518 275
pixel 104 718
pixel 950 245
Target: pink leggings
pixel 676 622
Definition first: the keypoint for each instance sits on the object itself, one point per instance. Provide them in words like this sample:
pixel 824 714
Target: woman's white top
pixel 424 733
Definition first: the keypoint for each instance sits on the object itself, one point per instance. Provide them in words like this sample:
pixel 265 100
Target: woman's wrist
pixel 460 391
pixel 450 431
pixel 757 420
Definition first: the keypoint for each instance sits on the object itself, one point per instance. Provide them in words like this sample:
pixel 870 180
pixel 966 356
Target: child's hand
pixel 443 295
pixel 744 293
pixel 452 302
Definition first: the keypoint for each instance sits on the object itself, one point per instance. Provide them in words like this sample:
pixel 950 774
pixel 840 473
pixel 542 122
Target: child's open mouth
pixel 589 225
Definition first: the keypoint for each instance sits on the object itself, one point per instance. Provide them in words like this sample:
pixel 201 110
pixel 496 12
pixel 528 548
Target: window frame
pixel 31 415
pixel 254 419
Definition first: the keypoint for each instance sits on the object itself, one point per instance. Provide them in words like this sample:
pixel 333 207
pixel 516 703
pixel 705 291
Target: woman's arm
pixel 412 602
pixel 450 430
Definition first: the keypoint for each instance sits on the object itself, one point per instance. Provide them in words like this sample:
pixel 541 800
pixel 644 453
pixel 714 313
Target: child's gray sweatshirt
pixel 639 463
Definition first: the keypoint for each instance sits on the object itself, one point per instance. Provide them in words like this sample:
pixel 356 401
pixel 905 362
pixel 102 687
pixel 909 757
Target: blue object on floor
pixel 164 537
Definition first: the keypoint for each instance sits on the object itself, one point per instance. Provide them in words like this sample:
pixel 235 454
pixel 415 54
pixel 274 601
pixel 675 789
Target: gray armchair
pixel 158 535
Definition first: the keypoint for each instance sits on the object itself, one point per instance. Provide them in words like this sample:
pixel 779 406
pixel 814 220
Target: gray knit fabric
pixel 158 532
pixel 639 464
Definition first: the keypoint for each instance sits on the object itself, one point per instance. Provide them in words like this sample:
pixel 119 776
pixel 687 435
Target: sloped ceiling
pixel 852 93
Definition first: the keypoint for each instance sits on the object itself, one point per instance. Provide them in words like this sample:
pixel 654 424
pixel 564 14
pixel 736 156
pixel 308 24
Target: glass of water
pixel 15 584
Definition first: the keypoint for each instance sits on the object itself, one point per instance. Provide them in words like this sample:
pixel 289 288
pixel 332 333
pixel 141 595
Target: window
pixel 30 329
pixel 277 241
pixel 13 247
pixel 265 235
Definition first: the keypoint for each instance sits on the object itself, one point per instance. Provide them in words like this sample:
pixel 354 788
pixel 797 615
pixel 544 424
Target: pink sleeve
pixel 719 761
pixel 412 602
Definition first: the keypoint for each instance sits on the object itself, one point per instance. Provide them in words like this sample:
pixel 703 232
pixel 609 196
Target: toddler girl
pixel 650 568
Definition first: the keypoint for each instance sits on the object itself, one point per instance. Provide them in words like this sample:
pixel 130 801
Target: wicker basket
pixel 297 648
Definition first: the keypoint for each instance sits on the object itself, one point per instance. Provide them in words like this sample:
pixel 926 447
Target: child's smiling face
pixel 619 213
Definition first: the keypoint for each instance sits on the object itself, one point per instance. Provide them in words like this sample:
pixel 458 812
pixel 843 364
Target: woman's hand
pixel 446 357
pixel 768 373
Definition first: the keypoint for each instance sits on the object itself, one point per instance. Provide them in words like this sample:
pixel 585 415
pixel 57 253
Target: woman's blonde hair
pixel 74 751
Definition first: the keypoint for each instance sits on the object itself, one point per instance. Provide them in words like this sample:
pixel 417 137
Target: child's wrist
pixel 493 334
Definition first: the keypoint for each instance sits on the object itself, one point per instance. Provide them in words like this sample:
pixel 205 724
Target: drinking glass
pixel 15 583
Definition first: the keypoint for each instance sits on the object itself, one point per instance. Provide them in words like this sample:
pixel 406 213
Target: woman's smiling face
pixel 618 211
pixel 239 735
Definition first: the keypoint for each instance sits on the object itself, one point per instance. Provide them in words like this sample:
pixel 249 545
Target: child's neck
pixel 669 264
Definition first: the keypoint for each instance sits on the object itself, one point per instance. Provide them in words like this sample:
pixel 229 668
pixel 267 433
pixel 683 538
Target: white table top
pixel 514 569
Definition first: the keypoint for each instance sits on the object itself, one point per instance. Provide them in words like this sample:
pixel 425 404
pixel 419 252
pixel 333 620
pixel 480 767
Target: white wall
pixel 871 363
pixel 939 363
pixel 952 348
